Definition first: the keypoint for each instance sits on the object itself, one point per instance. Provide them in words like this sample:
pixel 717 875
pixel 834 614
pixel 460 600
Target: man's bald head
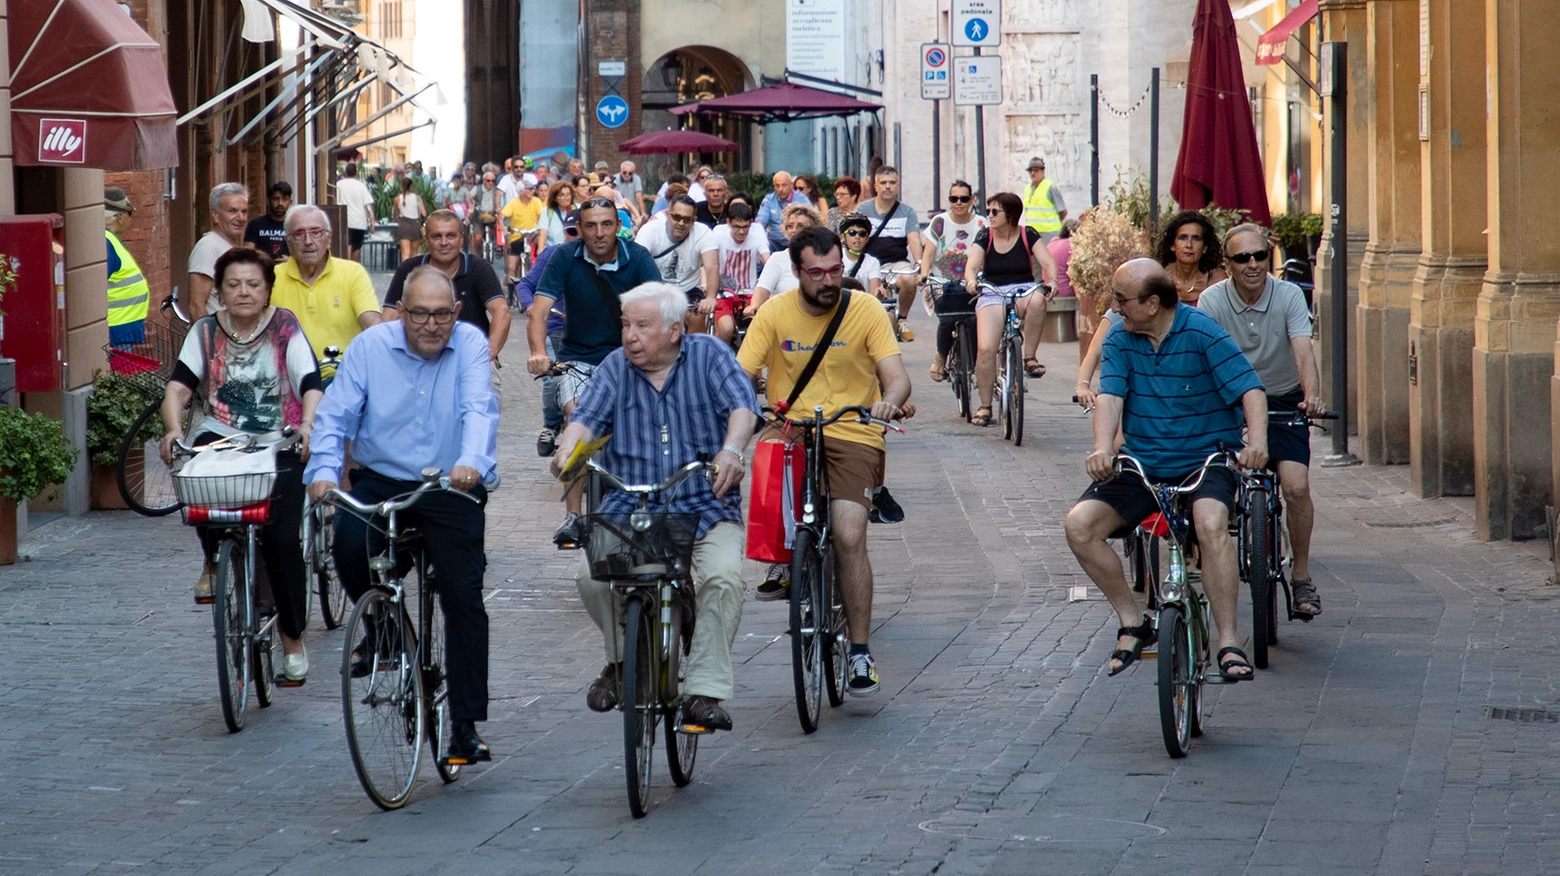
pixel 1144 278
pixel 782 183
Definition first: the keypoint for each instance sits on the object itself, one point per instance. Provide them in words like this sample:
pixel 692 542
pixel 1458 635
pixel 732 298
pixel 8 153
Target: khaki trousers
pixel 718 592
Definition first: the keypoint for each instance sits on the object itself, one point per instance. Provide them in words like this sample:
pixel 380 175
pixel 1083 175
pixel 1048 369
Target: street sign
pixel 977 80
pixel 612 111
pixel 936 59
pixel 976 23
pixel 611 68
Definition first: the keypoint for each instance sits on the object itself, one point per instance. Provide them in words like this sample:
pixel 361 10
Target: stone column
pixel 1514 329
pixel 1344 21
pixel 1391 103
pixel 1451 270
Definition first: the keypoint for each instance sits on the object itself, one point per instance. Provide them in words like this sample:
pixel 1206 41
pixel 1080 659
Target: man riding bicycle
pixel 863 366
pixel 1172 380
pixel 409 395
pixel 333 298
pixel 669 398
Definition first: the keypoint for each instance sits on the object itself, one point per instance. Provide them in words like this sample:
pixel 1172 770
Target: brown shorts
pixel 854 469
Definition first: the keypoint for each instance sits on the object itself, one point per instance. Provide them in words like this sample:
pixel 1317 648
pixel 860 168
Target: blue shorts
pixel 1287 443
pixel 1127 496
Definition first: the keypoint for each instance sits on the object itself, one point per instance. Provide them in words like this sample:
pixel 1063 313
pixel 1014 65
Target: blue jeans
pixel 552 412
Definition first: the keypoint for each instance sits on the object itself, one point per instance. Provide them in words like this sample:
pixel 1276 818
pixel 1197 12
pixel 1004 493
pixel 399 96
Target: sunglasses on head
pixel 598 202
pixel 1241 258
pixel 960 199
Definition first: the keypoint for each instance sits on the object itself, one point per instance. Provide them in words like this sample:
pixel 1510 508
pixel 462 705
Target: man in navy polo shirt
pixel 1172 381
pixel 588 275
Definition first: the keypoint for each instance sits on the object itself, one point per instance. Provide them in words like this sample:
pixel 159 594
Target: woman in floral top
pixel 948 239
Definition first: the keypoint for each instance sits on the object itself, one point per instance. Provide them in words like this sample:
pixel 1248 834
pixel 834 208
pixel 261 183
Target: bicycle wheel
pixel 963 372
pixel 1258 574
pixel 1013 402
pixel 1176 696
pixel 807 664
pixel 382 708
pixel 640 711
pixel 145 483
pixel 682 749
pixel 231 610
pixel 836 642
pixel 267 645
pixel 327 583
pixel 436 692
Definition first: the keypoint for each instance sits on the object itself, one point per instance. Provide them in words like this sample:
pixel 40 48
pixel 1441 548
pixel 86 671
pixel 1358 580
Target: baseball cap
pixel 602 165
pixel 571 220
pixel 114 199
pixel 1037 163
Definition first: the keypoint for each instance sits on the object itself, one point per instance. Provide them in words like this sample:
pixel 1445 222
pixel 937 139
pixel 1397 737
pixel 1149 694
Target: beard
pixel 824 297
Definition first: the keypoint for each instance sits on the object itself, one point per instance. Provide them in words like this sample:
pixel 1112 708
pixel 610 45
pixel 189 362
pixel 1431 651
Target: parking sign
pixel 935 63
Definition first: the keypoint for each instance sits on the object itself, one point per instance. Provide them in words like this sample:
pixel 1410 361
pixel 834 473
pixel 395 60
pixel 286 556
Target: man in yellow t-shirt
pixel 862 357
pixel 522 219
pixel 333 298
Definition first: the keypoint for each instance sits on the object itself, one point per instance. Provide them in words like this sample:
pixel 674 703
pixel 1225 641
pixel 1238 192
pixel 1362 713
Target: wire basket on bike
pixel 226 498
pixel 149 363
pixel 630 544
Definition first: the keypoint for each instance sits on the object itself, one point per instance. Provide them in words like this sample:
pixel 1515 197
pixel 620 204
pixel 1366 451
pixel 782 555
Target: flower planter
pixel 105 487
pixel 7 532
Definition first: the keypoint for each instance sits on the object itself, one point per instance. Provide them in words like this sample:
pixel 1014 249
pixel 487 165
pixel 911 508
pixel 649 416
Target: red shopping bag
pixel 776 500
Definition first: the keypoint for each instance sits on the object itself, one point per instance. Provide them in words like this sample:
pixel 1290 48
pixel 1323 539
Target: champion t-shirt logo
pixel 799 347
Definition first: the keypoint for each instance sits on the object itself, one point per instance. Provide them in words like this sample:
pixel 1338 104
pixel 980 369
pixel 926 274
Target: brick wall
pixel 611 34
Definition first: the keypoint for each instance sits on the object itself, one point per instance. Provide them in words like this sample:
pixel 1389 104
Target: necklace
pixel 1190 284
pixel 232 333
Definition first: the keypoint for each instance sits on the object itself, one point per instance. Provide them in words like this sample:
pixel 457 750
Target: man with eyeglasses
pixel 483 205
pixel 1271 324
pixel 673 242
pixel 717 194
pixel 476 287
pixel 863 366
pixel 414 393
pixel 333 298
pixel 740 256
pixel 1177 385
pixel 588 275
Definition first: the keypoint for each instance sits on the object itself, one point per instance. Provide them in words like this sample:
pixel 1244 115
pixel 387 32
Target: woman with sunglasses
pixel 948 239
pixel 1189 251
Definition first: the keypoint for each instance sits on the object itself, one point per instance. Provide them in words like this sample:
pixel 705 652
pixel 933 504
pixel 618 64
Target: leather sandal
pixel 1033 368
pixel 1144 633
pixel 1237 661
pixel 1303 594
pixel 981 419
pixel 939 373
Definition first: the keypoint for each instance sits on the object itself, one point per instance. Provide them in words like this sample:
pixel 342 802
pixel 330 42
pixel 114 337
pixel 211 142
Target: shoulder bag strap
pixel 608 297
pixel 817 356
pixel 883 223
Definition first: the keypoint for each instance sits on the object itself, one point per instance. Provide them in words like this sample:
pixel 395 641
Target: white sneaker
pixel 296 666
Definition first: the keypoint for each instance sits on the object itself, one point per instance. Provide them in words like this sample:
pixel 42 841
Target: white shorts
pixel 571 383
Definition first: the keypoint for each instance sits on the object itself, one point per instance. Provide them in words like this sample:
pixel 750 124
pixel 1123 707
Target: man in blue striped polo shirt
pixel 1172 381
pixel 667 398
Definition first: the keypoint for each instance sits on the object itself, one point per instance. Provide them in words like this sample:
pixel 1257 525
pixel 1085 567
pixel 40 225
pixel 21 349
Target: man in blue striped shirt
pixel 1177 378
pixel 667 398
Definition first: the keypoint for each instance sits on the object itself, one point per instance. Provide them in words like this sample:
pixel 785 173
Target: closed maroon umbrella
pixel 676 141
pixel 1219 162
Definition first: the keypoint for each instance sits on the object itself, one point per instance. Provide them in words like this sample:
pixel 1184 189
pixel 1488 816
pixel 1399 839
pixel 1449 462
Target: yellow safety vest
pixel 128 291
pixel 1039 212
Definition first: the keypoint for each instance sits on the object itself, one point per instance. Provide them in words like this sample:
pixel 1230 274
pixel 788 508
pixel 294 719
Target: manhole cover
pixel 1525 716
pixel 1408 524
pixel 1041 828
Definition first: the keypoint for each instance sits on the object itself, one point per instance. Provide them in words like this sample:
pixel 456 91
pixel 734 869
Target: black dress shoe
pixel 466 746
pixel 705 712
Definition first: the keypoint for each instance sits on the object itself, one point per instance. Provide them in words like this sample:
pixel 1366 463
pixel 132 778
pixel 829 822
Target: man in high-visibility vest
pixel 1044 208
pixel 128 291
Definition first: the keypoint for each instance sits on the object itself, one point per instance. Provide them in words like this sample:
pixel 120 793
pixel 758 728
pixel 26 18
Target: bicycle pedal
pixel 284 681
pixel 694 730
pixel 457 761
pixel 568 545
pixel 1149 652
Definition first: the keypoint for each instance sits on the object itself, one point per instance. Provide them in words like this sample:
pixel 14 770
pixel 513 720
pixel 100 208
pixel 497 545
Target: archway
pixel 686 74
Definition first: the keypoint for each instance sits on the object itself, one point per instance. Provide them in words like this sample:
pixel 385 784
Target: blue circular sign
pixel 935 58
pixel 976 29
pixel 612 111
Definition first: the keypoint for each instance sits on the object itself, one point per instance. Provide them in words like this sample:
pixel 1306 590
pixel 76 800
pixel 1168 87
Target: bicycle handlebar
pixel 433 479
pixel 242 441
pixel 667 485
pixel 1126 464
pixel 1043 289
pixel 558 369
pixel 862 412
pixel 1298 418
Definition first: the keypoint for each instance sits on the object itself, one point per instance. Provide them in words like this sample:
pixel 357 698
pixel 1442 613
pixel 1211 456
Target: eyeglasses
pixel 308 233
pixel 439 317
pixel 1121 300
pixel 960 199
pixel 598 202
pixel 1240 258
pixel 681 220
pixel 739 226
pixel 816 274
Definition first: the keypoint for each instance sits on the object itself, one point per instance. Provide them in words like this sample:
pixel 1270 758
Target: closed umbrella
pixel 676 141
pixel 1219 162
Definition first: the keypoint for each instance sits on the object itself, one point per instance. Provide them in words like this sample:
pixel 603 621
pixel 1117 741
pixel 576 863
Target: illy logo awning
pixel 62 141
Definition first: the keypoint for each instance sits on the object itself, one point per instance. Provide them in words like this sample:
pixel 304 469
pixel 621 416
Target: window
pixel 390 19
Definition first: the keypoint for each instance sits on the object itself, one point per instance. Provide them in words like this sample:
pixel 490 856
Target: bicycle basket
pixel 226 486
pixel 954 301
pixel 150 362
pixel 639 543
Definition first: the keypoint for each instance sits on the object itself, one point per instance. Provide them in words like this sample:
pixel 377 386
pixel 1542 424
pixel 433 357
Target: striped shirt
pixel 655 432
pixel 1182 399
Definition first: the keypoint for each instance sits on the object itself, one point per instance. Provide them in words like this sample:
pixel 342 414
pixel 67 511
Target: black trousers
pixel 452 529
pixel 281 553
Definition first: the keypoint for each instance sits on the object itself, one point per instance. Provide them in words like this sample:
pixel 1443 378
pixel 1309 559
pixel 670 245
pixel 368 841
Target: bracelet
pixel 734 452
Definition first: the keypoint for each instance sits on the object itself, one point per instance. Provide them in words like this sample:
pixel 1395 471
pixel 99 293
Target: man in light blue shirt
pixel 771 212
pixel 412 394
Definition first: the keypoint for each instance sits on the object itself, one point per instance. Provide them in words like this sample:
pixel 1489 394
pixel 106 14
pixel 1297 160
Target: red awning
pixel 89 88
pixel 1270 46
pixel 783 102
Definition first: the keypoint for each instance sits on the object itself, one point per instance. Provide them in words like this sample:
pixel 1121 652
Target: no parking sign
pixel 935 82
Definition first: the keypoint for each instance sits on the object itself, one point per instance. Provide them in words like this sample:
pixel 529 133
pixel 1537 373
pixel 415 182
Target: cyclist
pixel 1172 380
pixel 1271 324
pixel 525 290
pixel 741 257
pixel 411 394
pixel 949 237
pixel 897 243
pixel 674 242
pixel 862 366
pixel 777 275
pixel 854 231
pixel 522 221
pixel 662 376
pixel 483 205
pixel 1002 252
pixel 587 275
pixel 333 298
pixel 256 374
pixel 713 199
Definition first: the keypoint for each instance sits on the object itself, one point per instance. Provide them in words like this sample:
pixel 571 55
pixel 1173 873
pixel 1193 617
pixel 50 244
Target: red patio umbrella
pixel 676 141
pixel 783 102
pixel 1219 162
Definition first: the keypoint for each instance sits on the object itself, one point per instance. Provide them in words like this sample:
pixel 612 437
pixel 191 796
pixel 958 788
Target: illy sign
pixel 63 141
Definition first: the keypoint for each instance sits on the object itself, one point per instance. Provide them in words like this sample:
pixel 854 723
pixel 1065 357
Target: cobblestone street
pixel 997 744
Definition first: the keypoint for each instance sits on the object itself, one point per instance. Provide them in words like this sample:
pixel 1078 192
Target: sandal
pixel 1033 368
pixel 981 419
pixel 939 373
pixel 1306 601
pixel 1237 661
pixel 1144 634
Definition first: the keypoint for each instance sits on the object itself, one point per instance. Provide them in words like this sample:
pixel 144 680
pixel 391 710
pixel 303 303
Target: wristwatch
pixel 734 451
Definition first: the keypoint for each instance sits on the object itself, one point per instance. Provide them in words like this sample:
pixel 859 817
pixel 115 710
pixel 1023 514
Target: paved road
pixel 996 746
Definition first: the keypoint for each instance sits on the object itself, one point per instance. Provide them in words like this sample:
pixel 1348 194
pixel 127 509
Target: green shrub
pixel 33 454
pixel 1292 229
pixel 115 402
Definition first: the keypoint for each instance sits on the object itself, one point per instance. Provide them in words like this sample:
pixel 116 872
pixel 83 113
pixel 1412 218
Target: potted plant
pixel 1105 239
pixel 33 456
pixel 112 408
pixel 1299 234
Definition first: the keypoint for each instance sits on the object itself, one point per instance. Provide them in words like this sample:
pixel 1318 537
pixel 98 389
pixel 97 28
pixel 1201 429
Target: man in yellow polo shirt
pixel 522 218
pixel 1044 208
pixel 332 298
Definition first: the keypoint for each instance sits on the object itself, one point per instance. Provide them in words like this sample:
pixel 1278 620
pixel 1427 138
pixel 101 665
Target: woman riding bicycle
pixel 255 373
pixel 948 240
pixel 1002 251
pixel 557 204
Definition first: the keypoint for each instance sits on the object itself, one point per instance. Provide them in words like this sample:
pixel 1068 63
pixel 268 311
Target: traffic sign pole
pixel 980 149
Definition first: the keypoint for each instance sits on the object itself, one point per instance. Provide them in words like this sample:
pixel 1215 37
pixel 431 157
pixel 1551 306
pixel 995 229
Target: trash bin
pixel 1060 322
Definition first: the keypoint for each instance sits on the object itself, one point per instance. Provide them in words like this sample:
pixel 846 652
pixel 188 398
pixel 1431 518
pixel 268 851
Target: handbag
pixel 775 496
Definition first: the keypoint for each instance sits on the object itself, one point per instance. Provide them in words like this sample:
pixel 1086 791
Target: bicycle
pixel 238 505
pixel 819 643
pixel 740 299
pixel 591 495
pixel 319 536
pixel 145 484
pixel 390 702
pixel 1183 615
pixel 646 556
pixel 1010 358
pixel 960 364
pixel 1261 537
pixel 891 303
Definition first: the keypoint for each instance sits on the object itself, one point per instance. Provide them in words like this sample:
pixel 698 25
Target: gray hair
pixel 299 210
pixel 670 300
pixel 225 189
pixel 432 274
